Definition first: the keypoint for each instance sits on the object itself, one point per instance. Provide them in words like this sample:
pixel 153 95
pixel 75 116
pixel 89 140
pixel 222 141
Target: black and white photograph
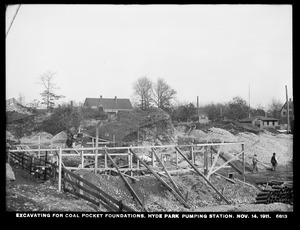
pixel 171 111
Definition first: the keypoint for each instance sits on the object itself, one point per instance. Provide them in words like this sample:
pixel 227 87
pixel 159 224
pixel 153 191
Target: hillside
pixel 151 125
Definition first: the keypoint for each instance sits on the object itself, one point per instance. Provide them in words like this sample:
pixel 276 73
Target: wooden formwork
pixel 186 153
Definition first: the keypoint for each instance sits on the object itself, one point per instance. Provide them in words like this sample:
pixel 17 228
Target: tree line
pixel 159 94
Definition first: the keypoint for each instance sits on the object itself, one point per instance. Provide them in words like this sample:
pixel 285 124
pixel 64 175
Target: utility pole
pixel 288 109
pixel 249 101
pixel 12 20
pixel 198 107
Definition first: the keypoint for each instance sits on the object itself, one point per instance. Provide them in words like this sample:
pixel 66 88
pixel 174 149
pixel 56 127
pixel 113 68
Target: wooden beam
pixel 223 197
pixel 226 178
pixel 162 181
pixel 213 165
pixel 96 155
pixel 234 158
pixel 126 182
pixel 59 170
pixel 168 174
pixel 243 147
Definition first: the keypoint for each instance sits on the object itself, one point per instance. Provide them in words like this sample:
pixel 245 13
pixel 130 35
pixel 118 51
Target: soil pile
pixel 151 125
pixel 281 144
pixel 60 137
pixel 157 198
pixel 34 138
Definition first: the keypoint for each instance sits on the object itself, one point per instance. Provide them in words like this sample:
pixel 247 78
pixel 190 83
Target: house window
pixel 284 113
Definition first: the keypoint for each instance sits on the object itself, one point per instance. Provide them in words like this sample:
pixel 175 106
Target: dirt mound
pixel 10 137
pixel 34 138
pixel 281 144
pixel 153 124
pixel 157 198
pixel 60 137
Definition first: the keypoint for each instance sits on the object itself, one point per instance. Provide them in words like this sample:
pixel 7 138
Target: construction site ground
pixel 26 193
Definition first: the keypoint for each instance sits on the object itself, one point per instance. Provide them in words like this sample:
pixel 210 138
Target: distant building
pixel 261 122
pixel 108 105
pixel 203 117
pixel 283 111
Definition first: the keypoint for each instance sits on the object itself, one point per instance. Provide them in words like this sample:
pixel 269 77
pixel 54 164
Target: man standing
pixel 254 163
pixel 274 161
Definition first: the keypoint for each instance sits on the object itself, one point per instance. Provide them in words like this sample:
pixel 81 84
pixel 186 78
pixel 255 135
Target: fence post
pixel 192 153
pixel 105 162
pixel 30 168
pixel 39 147
pixel 59 170
pixel 97 145
pixel 82 160
pixel 205 161
pixel 81 183
pixel 45 172
pixel 23 161
pixel 120 206
pixel 243 148
pixel 131 173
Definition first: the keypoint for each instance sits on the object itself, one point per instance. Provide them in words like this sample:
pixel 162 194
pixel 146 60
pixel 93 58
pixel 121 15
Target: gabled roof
pixel 290 105
pixel 250 119
pixel 109 103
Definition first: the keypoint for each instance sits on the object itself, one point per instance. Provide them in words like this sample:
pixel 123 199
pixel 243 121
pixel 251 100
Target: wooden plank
pixel 84 197
pixel 223 197
pixel 214 163
pixel 94 194
pixel 59 170
pixel 226 178
pixel 126 182
pixel 162 181
pixel 96 155
pixel 169 176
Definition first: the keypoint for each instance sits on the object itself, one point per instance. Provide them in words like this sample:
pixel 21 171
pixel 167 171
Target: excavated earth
pixel 26 193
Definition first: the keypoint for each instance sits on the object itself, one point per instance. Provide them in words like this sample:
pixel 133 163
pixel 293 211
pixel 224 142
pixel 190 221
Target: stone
pixel 9 173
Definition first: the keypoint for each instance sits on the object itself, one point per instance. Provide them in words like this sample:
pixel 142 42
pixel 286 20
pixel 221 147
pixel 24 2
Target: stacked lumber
pixel 279 192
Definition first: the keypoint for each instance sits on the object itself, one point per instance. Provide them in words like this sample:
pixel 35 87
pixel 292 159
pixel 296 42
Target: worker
pixel 254 163
pixel 274 162
pixel 69 141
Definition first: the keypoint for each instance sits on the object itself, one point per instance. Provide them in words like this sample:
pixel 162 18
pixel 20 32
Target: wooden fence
pixel 84 189
pixel 39 167
pixel 72 183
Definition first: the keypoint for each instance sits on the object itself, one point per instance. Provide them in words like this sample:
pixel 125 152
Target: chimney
pixel 100 96
pixel 71 104
pixel 115 99
pixel 290 99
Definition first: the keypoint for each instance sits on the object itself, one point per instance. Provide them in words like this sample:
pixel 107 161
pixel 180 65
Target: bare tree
pixel 163 94
pixel 143 91
pixel 48 95
pixel 274 108
pixel 21 99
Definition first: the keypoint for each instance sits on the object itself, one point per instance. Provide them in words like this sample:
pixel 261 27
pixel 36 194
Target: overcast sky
pixel 210 51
